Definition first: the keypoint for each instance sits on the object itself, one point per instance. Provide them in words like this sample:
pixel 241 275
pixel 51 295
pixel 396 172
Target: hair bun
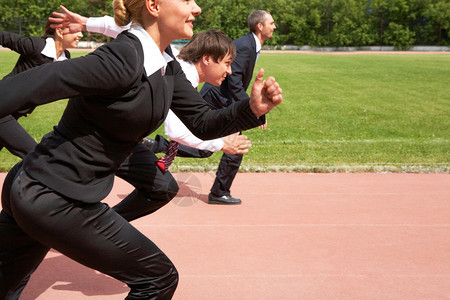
pixel 122 16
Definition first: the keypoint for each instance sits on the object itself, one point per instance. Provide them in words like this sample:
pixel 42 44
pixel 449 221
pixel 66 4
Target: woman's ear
pixel 59 32
pixel 152 7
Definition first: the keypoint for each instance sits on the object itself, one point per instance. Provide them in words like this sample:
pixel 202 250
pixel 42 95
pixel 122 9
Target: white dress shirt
pixel 258 46
pixel 50 50
pixel 105 25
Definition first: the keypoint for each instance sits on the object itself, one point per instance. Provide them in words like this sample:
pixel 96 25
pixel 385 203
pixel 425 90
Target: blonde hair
pixel 127 11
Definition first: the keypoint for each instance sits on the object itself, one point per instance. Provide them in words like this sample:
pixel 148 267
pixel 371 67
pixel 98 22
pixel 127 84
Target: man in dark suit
pixel 233 89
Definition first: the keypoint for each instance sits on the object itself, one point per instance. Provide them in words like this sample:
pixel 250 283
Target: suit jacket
pixel 234 87
pixel 113 104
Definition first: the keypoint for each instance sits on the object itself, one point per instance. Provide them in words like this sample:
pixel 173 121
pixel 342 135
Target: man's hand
pixel 73 21
pixel 265 95
pixel 236 144
pixel 263 127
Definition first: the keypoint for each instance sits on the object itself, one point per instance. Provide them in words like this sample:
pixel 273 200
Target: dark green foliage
pixel 336 23
pixel 28 17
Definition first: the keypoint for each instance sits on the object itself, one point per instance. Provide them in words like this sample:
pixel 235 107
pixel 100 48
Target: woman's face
pixel 70 40
pixel 176 17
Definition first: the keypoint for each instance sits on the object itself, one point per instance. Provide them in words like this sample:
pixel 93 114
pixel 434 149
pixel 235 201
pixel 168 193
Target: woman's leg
pixel 15 138
pixel 95 236
pixel 19 254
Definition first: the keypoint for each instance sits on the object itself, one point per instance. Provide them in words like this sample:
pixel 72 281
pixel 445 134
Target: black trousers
pixel 225 174
pixel 229 164
pixel 36 219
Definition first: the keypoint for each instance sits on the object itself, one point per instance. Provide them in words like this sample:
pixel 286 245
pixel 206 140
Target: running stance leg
pixel 95 236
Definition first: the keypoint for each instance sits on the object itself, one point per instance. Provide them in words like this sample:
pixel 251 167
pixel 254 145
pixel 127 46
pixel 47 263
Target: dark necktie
pixel 165 161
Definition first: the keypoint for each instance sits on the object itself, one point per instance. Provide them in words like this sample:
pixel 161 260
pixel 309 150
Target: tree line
pixel 332 23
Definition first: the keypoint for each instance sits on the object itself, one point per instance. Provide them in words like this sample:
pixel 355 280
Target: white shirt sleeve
pixel 177 131
pixel 105 25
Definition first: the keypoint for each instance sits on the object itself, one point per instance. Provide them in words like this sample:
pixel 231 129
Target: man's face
pixel 268 27
pixel 216 72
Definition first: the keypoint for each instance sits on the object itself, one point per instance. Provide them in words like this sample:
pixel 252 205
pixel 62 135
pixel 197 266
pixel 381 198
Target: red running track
pixel 296 236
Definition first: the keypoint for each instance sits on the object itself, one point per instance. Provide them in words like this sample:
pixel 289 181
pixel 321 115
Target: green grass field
pixel 340 113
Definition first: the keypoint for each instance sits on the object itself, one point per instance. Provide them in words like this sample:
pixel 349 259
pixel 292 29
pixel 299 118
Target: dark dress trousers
pixel 233 89
pixel 12 135
pixel 53 200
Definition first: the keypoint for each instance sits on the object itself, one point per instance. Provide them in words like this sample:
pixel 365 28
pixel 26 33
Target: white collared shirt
pixel 154 60
pixel 105 25
pixel 258 45
pixel 50 50
pixel 190 71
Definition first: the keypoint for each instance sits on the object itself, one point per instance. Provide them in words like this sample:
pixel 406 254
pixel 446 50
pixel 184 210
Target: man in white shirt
pixel 206 58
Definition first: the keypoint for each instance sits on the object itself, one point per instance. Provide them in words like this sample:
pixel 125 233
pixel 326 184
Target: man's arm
pixel 177 131
pixel 209 124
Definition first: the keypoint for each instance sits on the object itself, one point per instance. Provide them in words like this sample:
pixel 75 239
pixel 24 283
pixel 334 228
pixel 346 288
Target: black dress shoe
pixel 213 199
pixel 150 143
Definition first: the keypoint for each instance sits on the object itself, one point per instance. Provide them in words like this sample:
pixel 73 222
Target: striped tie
pixel 165 161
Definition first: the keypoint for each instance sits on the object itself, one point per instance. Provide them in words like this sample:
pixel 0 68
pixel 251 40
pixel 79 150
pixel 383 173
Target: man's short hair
pixel 211 42
pixel 256 17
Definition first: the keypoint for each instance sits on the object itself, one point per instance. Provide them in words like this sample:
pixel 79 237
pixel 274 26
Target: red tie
pixel 165 161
